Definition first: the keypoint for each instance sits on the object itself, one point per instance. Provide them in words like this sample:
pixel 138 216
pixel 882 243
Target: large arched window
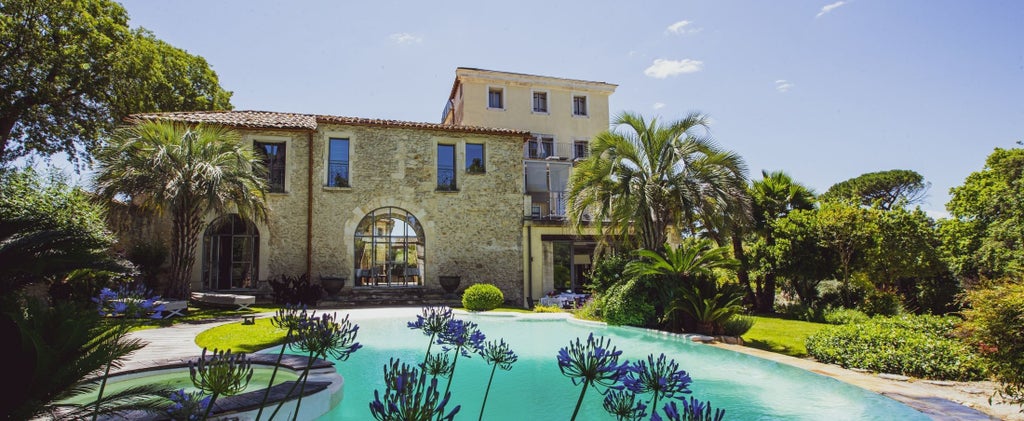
pixel 389 249
pixel 230 254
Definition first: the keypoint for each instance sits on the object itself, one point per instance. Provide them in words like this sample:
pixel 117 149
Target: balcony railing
pixel 544 150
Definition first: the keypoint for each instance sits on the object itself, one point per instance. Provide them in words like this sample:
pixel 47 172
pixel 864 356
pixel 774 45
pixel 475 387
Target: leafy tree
pixel 773 197
pixel 799 255
pixel 70 70
pixel 882 189
pixel 186 172
pixel 639 182
pixel 845 231
pixel 985 236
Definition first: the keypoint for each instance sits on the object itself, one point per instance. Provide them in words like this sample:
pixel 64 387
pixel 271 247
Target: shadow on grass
pixel 774 347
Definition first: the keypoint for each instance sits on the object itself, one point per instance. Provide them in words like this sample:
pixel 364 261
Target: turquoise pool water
pixel 749 388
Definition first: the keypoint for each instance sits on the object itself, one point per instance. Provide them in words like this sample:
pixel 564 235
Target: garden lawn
pixel 242 338
pixel 781 335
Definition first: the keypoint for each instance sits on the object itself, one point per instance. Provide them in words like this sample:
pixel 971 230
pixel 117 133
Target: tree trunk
pixel 743 272
pixel 766 297
pixel 184 237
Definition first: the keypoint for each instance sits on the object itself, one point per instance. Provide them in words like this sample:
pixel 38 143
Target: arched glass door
pixel 230 254
pixel 389 247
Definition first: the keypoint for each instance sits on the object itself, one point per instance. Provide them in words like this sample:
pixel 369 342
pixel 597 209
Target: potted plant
pixel 332 284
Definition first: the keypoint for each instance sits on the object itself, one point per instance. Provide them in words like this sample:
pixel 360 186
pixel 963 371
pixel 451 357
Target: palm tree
pixel 774 197
pixel 640 182
pixel 187 172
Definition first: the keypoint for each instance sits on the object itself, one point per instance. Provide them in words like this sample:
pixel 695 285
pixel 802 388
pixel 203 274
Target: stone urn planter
pixel 450 283
pixel 332 285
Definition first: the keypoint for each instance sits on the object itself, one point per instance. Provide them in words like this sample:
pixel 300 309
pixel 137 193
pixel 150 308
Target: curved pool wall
pixel 175 374
pixel 748 387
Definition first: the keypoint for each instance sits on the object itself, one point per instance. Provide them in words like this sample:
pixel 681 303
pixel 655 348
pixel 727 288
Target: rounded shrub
pixel 844 316
pixel 626 304
pixel 482 297
pixel 737 325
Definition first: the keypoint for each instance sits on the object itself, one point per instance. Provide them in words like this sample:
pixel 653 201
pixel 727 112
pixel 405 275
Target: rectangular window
pixel 579 105
pixel 579 149
pixel 337 163
pixel 495 98
pixel 475 163
pixel 540 102
pixel 446 168
pixel 273 155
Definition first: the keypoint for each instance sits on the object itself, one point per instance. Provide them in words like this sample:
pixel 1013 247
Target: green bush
pixel 919 346
pixel 737 325
pixel 607 271
pixel 627 304
pixel 482 297
pixel 995 323
pixel 547 309
pixel 844 316
pixel 591 310
pixel 798 311
pixel 881 303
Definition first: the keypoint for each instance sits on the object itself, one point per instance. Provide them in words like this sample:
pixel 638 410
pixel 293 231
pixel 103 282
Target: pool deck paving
pixel 953 401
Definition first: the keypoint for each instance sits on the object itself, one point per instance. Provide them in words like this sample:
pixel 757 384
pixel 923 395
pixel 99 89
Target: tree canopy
pixel 884 189
pixel 985 237
pixel 70 71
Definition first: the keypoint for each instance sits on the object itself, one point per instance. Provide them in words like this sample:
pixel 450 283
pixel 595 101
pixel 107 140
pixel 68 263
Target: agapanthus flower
pixel 130 301
pixel 325 336
pixel 438 365
pixel 462 336
pixel 624 406
pixel 409 396
pixel 223 373
pixel 187 406
pixel 433 320
pixel 498 354
pixel 661 377
pixel 692 410
pixel 593 364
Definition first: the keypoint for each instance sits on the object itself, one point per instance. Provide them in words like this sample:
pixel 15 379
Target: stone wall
pixel 474 232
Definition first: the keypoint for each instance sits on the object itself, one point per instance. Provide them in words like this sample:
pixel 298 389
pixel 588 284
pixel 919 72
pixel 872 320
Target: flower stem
pixel 266 392
pixel 452 375
pixel 487 392
pixel 302 379
pixel 586 384
pixel 99 396
pixel 209 407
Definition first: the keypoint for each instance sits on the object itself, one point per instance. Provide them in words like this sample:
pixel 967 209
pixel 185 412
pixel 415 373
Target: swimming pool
pixel 749 388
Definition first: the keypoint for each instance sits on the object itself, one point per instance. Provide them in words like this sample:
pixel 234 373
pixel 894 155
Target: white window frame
pixel 547 101
pixel 327 157
pixel 572 105
pixel 504 98
pixel 288 151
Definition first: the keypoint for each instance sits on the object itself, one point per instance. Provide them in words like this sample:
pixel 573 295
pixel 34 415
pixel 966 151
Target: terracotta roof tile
pixel 275 120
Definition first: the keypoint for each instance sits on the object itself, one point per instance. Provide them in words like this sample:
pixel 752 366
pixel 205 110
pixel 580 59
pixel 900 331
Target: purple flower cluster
pixel 326 335
pixel 130 301
pixel 463 337
pixel 596 363
pixel 409 396
pixel 187 406
pixel 691 410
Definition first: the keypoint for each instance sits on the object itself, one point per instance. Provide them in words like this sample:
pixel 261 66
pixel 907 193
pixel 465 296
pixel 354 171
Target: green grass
pixel 242 338
pixel 781 335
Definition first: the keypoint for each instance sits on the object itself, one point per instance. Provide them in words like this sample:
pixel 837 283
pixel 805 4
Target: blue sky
pixel 824 90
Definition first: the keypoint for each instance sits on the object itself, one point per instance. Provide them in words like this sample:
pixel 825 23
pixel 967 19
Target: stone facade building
pixel 389 204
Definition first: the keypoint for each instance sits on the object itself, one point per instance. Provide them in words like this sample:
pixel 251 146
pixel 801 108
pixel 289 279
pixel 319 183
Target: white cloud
pixel 783 85
pixel 658 105
pixel 829 8
pixel 406 38
pixel 682 27
pixel 663 68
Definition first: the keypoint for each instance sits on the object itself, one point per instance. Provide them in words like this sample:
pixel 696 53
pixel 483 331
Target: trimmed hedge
pixel 918 346
pixel 482 297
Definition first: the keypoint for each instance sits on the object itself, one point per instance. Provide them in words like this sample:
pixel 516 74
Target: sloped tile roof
pixel 275 120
